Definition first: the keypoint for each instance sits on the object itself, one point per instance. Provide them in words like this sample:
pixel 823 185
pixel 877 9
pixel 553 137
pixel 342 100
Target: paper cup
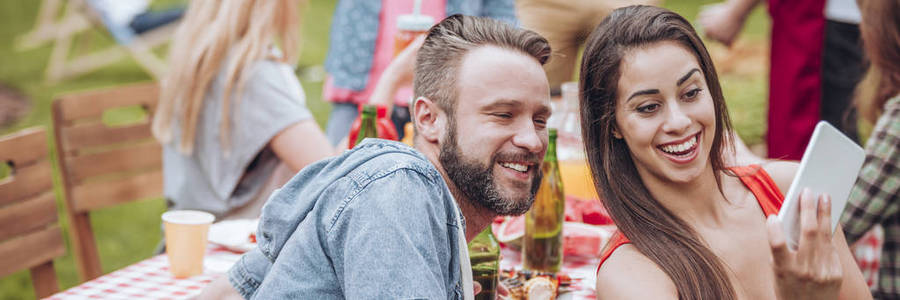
pixel 186 232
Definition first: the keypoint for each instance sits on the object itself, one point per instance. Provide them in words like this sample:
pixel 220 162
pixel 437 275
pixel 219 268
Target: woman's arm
pixel 722 22
pixel 854 285
pixel 301 144
pixel 397 74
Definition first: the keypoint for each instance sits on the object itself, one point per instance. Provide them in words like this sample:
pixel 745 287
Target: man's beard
pixel 476 181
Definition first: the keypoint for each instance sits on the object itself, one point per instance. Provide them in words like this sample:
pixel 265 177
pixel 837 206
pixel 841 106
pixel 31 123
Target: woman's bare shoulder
pixel 782 172
pixel 628 274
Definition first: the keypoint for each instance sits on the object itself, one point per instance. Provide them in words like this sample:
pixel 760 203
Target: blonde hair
pixel 241 31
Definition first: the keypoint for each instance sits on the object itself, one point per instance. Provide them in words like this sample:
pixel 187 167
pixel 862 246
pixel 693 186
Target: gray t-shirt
pixel 215 181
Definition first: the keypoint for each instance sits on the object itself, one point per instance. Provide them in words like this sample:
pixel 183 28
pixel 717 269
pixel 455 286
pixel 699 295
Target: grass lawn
pixel 129 233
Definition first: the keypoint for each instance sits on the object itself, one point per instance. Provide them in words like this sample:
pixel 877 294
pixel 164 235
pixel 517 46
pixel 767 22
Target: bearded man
pixel 385 220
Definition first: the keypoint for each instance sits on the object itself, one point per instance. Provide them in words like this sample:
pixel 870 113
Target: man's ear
pixel 428 118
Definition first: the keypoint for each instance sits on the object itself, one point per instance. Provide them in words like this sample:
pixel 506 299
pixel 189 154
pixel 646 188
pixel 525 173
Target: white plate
pixel 234 235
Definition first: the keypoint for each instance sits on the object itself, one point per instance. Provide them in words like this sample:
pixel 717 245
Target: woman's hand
pixel 814 270
pixel 397 74
pixel 722 22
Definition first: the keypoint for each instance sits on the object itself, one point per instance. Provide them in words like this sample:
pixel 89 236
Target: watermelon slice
pixel 509 230
pixel 585 232
pixel 579 239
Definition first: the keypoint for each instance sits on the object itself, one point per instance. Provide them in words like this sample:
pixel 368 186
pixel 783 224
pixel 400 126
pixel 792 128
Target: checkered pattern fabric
pixel 867 252
pixel 148 279
pixel 875 200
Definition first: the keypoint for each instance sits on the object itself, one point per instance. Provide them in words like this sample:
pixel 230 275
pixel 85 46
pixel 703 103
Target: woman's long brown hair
pixel 655 231
pixel 880 32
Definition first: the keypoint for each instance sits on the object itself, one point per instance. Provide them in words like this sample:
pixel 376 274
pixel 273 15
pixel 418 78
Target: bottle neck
pixel 551 150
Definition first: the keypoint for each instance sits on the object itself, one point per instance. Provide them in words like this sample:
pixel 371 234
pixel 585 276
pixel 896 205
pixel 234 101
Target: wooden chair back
pixel 104 165
pixel 29 235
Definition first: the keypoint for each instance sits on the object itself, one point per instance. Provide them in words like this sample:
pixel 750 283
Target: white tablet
pixel 830 165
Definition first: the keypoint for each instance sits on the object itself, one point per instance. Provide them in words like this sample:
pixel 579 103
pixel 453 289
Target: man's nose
pixel 530 139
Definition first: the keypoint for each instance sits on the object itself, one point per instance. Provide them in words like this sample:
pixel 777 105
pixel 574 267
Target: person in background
pixel 361 47
pixel 232 117
pixel 566 24
pixel 875 199
pixel 842 65
pixel 656 130
pixel 795 75
pixel 126 19
pixel 386 221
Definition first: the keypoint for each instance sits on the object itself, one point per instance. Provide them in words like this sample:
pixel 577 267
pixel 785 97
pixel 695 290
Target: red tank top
pixel 753 176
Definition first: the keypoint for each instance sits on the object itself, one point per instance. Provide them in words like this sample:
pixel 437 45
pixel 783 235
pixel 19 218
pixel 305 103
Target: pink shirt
pixel 384 51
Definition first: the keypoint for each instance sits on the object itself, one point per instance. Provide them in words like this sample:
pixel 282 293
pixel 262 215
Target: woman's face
pixel 664 112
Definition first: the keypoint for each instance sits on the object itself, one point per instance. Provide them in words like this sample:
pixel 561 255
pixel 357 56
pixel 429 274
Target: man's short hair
pixel 439 59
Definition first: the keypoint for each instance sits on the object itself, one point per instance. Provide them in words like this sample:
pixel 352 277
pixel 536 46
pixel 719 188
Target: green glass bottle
pixel 367 127
pixel 542 246
pixel 484 254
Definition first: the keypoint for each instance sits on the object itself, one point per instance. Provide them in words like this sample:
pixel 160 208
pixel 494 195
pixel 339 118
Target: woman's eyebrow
pixel 643 92
pixel 686 76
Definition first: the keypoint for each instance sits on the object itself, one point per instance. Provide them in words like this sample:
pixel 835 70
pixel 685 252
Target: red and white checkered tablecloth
pixel 151 279
pixel 867 252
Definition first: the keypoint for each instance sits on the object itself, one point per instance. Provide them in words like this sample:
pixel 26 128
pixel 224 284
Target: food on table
pixel 540 288
pixel 516 282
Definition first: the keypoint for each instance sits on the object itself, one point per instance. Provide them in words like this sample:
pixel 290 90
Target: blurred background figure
pixel 566 24
pixel 232 115
pixel 362 45
pixel 795 75
pixel 875 200
pixel 127 18
pixel 842 65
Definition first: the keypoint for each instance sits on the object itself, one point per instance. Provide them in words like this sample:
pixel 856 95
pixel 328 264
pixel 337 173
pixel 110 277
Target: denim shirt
pixel 376 222
pixel 354 30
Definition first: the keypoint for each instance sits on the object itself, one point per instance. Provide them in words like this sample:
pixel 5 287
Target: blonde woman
pixel 232 116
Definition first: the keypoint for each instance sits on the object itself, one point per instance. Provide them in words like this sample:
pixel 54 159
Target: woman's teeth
pixel 679 148
pixel 518 167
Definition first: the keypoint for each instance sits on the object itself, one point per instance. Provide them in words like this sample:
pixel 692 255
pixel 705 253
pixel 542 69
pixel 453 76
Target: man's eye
pixel 649 108
pixel 503 115
pixel 692 93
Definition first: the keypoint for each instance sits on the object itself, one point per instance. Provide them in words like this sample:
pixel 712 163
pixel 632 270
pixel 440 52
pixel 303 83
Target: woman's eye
pixel 692 93
pixel 649 108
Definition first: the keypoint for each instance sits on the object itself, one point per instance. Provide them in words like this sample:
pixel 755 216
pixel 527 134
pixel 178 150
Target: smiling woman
pixel 657 132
